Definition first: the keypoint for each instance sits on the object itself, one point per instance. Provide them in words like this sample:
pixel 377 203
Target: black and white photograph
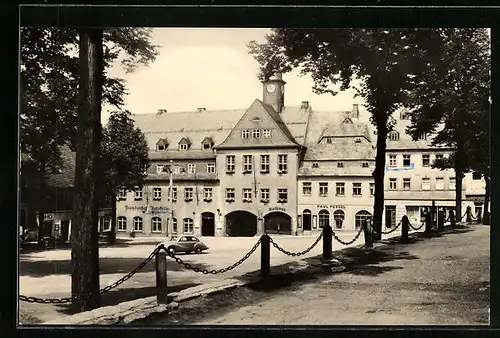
pixel 177 176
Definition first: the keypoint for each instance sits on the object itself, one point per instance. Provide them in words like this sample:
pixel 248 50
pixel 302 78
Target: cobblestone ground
pixel 47 273
pixel 435 281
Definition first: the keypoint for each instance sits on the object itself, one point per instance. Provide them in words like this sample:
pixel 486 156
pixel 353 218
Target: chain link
pixel 415 228
pixel 215 272
pixel 348 243
pixel 392 230
pixel 296 254
pixel 75 299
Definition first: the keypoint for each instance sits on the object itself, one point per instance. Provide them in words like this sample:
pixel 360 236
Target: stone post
pixel 161 277
pixel 468 216
pixel 367 230
pixel 265 255
pixel 327 243
pixel 405 228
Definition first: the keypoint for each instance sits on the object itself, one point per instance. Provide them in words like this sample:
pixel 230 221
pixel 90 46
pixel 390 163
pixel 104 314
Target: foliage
pixel 49 83
pixel 382 61
pixel 124 153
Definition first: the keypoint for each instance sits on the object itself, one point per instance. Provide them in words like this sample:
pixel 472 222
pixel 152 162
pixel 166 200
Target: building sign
pixel 411 167
pixel 330 206
pixel 134 207
pixel 48 217
pixel 277 209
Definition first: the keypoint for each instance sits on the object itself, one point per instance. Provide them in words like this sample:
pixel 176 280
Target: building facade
pixel 276 168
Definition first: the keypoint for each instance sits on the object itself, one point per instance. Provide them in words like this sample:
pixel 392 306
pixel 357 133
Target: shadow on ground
pixel 110 265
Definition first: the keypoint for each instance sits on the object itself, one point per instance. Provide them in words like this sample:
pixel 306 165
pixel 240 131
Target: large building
pixel 276 168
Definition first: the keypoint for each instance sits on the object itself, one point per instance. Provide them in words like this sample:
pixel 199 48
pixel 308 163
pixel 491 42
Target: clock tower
pixel 274 92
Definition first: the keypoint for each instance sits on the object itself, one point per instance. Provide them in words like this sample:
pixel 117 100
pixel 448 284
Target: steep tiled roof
pixel 279 121
pixel 340 149
pixel 66 176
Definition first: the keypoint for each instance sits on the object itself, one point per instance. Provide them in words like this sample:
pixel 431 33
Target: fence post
pixel 161 277
pixel 453 220
pixel 433 214
pixel 367 230
pixel 428 222
pixel 405 228
pixel 265 255
pixel 327 242
pixel 468 217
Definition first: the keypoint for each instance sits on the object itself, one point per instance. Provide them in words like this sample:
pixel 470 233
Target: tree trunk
pixel 486 210
pixel 112 235
pixel 458 195
pixel 84 241
pixel 41 200
pixel 378 176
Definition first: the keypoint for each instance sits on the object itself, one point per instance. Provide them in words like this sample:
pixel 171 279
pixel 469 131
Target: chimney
pixel 161 111
pixel 199 110
pixel 305 105
pixel 355 110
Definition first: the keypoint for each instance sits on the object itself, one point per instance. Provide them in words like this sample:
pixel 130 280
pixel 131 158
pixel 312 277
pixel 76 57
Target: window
pixel 406 183
pixel 315 165
pixel 476 175
pixel 177 170
pixel 392 161
pixel 364 164
pixel 338 218
pixel 266 133
pixel 207 194
pixel 358 140
pixel 188 225
pixel 245 133
pixel 264 195
pixel 404 116
pixel 426 183
pixel 247 195
pixel 247 164
pixel 451 183
pixel 230 194
pixel 439 183
pixel 422 137
pixel 160 168
pixel 121 223
pixel 340 164
pixel 356 189
pixel 406 160
pixel 392 184
pixel 393 136
pixel 323 189
pixel 324 218
pixel 122 194
pixel 174 194
pixel 184 146
pixel 372 189
pixel 138 194
pixel 174 225
pixel 306 188
pixel 282 195
pixel 361 217
pixel 264 163
pixel 256 133
pixel 340 189
pixel 156 224
pixel 156 194
pixel 439 157
pixel 160 147
pixel 426 160
pixel 230 159
pixel 191 168
pixel 137 223
pixel 328 139
pixel 106 223
pixel 188 194
pixel 206 146
pixel 211 168
pixel 282 164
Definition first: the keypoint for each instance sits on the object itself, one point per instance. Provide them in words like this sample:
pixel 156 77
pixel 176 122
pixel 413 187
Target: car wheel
pixel 198 251
pixel 171 249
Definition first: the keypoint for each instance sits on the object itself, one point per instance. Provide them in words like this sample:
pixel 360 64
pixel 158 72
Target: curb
pixel 131 311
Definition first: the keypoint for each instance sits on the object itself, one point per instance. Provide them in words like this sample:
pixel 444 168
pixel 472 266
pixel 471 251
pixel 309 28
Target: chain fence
pixel 416 228
pixel 75 299
pixel 348 242
pixel 296 254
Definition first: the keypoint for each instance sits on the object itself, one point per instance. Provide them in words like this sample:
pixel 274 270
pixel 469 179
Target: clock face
pixel 271 88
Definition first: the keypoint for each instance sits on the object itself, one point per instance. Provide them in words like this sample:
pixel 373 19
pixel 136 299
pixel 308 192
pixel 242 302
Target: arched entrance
pixel 360 217
pixel 306 220
pixel 241 223
pixel 207 224
pixel 338 218
pixel 278 223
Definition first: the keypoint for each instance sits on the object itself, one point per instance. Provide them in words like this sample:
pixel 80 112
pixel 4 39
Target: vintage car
pixel 187 244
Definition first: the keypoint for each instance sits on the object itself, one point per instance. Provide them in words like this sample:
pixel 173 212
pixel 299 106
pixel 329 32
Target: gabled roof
pixel 185 140
pixel 340 149
pixel 207 140
pixel 162 141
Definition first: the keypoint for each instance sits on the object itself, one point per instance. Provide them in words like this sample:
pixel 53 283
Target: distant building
pixel 276 168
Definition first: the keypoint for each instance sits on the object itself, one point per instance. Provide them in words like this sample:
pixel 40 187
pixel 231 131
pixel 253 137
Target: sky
pixel 211 68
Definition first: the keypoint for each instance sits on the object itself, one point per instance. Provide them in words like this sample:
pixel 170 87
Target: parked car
pixel 187 244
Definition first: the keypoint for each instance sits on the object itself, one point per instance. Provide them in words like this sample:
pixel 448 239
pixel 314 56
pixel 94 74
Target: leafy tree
pixel 49 88
pixel 382 60
pixel 124 153
pixel 451 102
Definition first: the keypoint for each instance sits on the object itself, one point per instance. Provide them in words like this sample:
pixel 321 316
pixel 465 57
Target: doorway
pixel 307 220
pixel 390 216
pixel 278 223
pixel 64 230
pixel 241 223
pixel 207 224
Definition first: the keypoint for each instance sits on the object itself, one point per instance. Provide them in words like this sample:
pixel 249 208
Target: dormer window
pixel 328 140
pixel 207 143
pixel 161 144
pixel 206 146
pixel 364 164
pixel 358 140
pixel 315 165
pixel 184 144
pixel 160 147
pixel 394 136
pixel 340 164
